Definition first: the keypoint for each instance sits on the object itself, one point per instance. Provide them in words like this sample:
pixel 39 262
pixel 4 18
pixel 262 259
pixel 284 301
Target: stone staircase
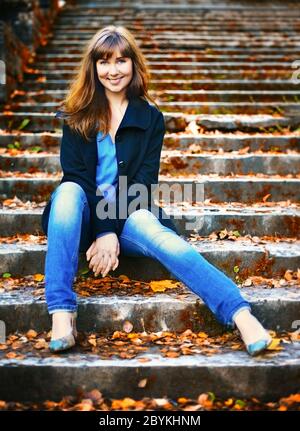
pixel 221 74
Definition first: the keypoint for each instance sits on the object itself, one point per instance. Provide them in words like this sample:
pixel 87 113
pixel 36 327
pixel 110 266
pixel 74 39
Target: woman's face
pixel 115 73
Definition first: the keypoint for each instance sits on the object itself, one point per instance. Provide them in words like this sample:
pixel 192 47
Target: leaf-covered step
pixel 177 162
pixel 280 140
pixel 58 58
pixel 172 162
pixel 238 259
pixel 177 65
pixel 173 73
pixel 187 107
pixel 183 84
pixel 48 98
pixel 175 121
pixel 194 188
pixel 146 371
pixel 106 309
pixel 281 220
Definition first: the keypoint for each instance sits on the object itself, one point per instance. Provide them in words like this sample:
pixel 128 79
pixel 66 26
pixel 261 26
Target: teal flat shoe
pixel 67 341
pixel 62 343
pixel 258 347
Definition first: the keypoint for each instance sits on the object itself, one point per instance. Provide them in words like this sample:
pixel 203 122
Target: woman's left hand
pixel 103 254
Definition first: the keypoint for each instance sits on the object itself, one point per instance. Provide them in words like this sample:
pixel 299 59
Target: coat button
pixel 122 164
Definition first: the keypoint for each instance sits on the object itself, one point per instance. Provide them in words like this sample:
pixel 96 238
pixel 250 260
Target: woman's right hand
pixel 103 254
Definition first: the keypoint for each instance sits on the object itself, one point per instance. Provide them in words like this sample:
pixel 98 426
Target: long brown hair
pixel 86 107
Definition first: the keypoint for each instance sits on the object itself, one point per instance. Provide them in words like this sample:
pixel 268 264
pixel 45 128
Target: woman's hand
pixel 104 253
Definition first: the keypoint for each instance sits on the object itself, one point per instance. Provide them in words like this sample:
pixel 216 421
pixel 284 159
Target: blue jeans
pixel 142 235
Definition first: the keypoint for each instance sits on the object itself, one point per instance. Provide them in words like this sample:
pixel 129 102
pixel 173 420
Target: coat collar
pixel 137 114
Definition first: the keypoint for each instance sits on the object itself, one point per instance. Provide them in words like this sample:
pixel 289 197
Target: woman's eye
pixel 119 61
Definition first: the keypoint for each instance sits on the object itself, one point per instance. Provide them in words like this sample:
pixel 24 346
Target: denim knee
pixel 141 214
pixel 66 198
pixel 69 187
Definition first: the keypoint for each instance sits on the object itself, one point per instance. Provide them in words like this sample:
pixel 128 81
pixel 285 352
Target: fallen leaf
pixel 275 344
pixel 38 277
pixel 142 383
pixel 127 326
pixel 162 285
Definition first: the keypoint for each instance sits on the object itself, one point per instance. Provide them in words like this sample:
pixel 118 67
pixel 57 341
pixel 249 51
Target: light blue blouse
pixel 107 168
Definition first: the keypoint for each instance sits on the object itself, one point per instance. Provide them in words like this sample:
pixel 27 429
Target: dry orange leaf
pixel 123 404
pixel 38 277
pixel 93 342
pixel 182 400
pixel 41 344
pixel 127 326
pixel 275 344
pixel 202 335
pixel 11 355
pixel 144 359
pixel 266 197
pixel 171 354
pixel 162 285
pixel 288 275
pixel 124 278
pixel 142 383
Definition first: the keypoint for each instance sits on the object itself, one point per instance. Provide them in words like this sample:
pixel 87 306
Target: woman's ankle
pixel 61 324
pixel 250 328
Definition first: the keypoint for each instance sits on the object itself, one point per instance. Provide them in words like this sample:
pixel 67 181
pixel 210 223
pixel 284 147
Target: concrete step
pixel 177 65
pixel 197 188
pixel 40 98
pixel 181 44
pixel 230 141
pixel 213 70
pixel 185 107
pixel 247 220
pixel 231 107
pixel 175 163
pixel 244 122
pixel 218 10
pixel 162 32
pixel 227 373
pixel 175 121
pixel 228 95
pixel 270 259
pixel 153 56
pixel 222 73
pixel 182 40
pixel 204 26
pixel 188 142
pixel 180 309
pixel 45 140
pixel 184 84
pixel 162 26
pixel 215 49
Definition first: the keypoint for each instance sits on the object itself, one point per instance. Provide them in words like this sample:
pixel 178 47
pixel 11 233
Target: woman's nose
pixel 113 70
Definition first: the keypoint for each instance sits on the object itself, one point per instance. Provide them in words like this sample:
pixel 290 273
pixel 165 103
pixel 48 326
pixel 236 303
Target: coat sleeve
pixel 148 171
pixel 74 170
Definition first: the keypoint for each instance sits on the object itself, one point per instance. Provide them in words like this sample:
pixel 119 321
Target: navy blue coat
pixel 138 141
